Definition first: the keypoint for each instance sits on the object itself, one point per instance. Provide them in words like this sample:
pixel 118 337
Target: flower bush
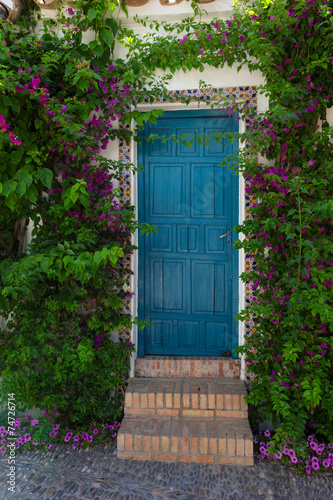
pixel 311 458
pixel 28 434
pixel 287 165
pixel 62 100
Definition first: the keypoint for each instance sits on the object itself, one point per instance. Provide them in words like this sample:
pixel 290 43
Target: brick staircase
pixel 186 419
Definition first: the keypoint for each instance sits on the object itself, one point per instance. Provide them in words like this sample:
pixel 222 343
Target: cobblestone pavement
pixel 97 474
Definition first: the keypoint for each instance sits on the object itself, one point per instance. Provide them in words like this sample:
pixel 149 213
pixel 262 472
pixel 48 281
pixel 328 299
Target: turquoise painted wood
pixel 188 285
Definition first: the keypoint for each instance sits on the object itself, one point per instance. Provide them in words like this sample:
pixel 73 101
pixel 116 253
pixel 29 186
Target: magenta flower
pixel 95 431
pixel 70 11
pixel 13 138
pixel 241 37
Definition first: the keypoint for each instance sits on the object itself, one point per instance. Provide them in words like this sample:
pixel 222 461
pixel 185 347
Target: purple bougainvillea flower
pixel 70 11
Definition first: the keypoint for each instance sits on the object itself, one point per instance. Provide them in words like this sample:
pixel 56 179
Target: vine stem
pixel 300 245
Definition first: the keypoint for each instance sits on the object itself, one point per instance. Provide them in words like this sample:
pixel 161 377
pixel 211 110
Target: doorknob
pixel 224 235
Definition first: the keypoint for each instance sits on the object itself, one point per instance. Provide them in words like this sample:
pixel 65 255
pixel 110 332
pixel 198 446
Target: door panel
pixel 187 273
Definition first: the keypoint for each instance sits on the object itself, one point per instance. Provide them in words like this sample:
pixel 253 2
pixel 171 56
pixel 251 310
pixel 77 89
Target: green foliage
pixel 289 231
pixel 63 296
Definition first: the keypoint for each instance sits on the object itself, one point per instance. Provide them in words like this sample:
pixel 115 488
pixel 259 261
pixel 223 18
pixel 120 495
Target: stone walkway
pixel 96 473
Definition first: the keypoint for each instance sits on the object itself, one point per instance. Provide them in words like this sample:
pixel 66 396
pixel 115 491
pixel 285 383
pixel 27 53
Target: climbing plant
pixel 287 164
pixel 63 98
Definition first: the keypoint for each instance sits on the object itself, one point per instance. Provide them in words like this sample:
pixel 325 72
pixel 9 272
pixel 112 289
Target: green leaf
pixel 32 193
pixel 21 188
pixel 16 156
pixel 107 36
pixel 97 257
pixel 92 13
pixel 46 176
pixel 9 187
pixel 85 200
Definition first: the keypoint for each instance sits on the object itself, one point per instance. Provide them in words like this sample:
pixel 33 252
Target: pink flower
pixel 70 11
pixel 13 139
pixel 241 37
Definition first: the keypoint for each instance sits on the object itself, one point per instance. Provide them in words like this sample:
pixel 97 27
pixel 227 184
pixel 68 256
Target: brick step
pixel 220 441
pixel 187 366
pixel 184 397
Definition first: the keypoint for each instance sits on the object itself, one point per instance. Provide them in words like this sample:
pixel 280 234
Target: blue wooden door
pixel 187 272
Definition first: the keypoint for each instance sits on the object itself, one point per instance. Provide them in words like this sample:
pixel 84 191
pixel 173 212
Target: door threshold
pixel 187 366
